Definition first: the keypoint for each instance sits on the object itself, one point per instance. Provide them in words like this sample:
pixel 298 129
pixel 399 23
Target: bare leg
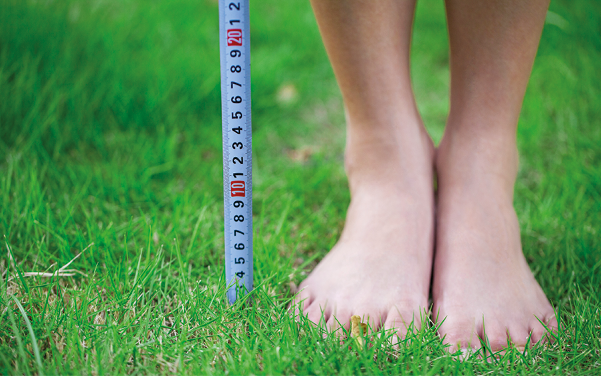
pixel 482 283
pixel 380 268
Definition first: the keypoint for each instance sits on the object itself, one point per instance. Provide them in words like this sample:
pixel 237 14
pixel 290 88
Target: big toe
pixel 460 335
pixel 340 320
pixel 402 322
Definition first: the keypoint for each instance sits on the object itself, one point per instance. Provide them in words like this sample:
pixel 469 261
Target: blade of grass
pixel 34 342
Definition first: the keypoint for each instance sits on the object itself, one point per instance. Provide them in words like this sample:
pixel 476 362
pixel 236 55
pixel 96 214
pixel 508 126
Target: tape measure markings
pixel 237 145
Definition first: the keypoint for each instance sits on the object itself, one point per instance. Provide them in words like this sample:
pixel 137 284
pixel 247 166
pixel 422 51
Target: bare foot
pixel 380 268
pixel 482 287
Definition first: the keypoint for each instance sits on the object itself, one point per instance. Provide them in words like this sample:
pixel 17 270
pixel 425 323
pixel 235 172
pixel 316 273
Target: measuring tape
pixel 234 36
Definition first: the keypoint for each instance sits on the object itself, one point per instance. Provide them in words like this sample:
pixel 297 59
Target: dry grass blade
pixel 358 331
pixel 62 272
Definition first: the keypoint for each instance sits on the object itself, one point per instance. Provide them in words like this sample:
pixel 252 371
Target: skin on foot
pixel 483 288
pixel 380 268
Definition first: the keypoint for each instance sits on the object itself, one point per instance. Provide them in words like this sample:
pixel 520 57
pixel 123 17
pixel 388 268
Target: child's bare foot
pixel 380 268
pixel 483 287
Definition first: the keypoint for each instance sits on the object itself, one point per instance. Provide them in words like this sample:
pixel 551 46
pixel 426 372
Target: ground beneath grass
pixel 110 182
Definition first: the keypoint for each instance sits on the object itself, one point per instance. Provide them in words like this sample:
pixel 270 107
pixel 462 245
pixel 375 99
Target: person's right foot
pixel 380 268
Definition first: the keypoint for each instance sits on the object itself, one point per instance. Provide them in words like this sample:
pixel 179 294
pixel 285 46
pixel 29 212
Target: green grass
pixel 110 141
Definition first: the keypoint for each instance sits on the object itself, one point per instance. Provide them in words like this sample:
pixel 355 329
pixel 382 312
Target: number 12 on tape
pixel 234 31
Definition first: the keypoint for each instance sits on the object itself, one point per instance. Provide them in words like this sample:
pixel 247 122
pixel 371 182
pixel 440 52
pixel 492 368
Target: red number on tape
pixel 238 188
pixel 234 37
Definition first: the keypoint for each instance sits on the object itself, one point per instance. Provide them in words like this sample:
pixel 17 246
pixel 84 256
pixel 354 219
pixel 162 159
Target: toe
pixel 543 331
pixel 519 336
pixel 339 321
pixel 552 327
pixel 302 300
pixel 496 337
pixel 402 322
pixel 318 313
pixel 460 335
pixel 370 316
pixel 537 332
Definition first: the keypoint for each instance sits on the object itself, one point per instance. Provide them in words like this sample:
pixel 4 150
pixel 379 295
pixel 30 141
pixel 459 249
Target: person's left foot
pixel 483 288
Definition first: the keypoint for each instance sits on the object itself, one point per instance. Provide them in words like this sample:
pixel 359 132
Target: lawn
pixel 111 183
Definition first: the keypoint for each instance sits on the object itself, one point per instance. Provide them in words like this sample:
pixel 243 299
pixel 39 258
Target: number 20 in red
pixel 234 37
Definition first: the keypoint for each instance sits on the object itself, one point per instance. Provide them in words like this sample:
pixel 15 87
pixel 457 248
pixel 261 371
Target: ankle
pixel 490 158
pixel 396 158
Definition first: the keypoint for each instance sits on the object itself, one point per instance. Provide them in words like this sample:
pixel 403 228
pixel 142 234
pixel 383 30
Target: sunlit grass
pixel 110 149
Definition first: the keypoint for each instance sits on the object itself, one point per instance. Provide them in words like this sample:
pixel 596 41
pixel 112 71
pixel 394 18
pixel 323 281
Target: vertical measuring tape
pixel 234 36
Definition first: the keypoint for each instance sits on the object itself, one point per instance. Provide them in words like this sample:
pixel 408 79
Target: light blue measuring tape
pixel 234 37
